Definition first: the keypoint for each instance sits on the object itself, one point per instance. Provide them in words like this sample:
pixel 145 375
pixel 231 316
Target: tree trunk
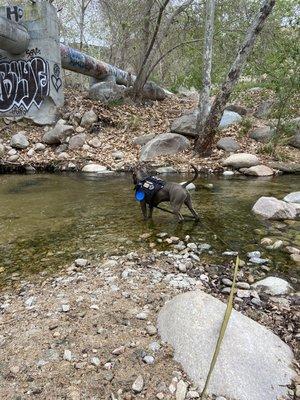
pixel 206 135
pixel 204 104
pixel 81 25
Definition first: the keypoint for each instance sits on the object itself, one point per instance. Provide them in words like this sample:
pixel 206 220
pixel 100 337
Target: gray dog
pixel 175 193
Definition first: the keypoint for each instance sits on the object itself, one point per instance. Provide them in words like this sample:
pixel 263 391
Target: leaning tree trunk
pixel 206 136
pixel 203 107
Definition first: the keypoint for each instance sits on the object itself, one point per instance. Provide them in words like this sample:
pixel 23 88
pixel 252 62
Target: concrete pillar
pixel 31 84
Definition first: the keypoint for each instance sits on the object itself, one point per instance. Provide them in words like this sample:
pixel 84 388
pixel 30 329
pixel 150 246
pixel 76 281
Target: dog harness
pixel 146 189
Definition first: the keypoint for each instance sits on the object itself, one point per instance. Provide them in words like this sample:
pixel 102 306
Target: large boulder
pixel 88 119
pixel 286 167
pixel 259 170
pixel 264 109
pixel 241 160
pixel 77 141
pixel 228 144
pixel 107 92
pixel 272 208
pixel 19 141
pixel 253 364
pixel 142 140
pixel 58 134
pixel 263 134
pixel 164 144
pixel 293 197
pixel 186 124
pixel 273 285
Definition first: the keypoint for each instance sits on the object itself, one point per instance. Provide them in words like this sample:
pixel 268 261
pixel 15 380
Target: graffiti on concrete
pixel 14 13
pixel 33 52
pixel 76 58
pixel 23 84
pixel 55 77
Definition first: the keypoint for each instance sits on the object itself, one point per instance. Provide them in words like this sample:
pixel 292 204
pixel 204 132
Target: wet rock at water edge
pixel 241 160
pixel 259 170
pixel 95 168
pixel 19 141
pixel 292 197
pixel 271 208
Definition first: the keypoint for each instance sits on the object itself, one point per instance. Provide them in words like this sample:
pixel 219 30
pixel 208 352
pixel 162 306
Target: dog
pixel 175 193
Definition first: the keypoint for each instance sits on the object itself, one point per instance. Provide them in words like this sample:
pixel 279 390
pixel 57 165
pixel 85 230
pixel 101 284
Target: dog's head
pixel 140 172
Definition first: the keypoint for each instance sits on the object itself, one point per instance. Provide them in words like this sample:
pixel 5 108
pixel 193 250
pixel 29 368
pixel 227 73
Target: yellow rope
pixel 223 330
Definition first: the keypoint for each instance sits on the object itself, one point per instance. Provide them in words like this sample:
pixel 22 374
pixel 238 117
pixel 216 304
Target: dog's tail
pixel 194 178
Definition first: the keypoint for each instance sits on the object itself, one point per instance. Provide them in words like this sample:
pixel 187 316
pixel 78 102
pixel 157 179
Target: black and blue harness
pixel 146 189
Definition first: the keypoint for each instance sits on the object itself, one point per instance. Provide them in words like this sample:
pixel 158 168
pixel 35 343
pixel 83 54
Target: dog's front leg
pixel 144 209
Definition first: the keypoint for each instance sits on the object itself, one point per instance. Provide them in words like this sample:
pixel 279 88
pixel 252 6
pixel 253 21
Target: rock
pixel 289 168
pixel 293 197
pixel 228 144
pixel 181 390
pixel 149 360
pixel 237 109
pixel 13 158
pixel 190 186
pixel 166 170
pixel 67 355
pixel 65 307
pixel 142 316
pixel 228 173
pixel 258 260
pixel 243 285
pixel 142 140
pixel 192 394
pixel 77 141
pixel 30 302
pixel 95 361
pixel 259 170
pixel 120 350
pixel 19 141
pixel 81 262
pixel 295 141
pixel 227 282
pixel 63 156
pixel 138 384
pixel 58 134
pixel 263 134
pixel 164 144
pixel 2 150
pixel 186 124
pixel 253 254
pixel 88 119
pixel 273 285
pixel 95 168
pixel 107 92
pixel 151 330
pixel 271 208
pixel 241 160
pixel 12 152
pixel 190 324
pixel 229 118
pixel 31 153
pixel 118 155
pixel 295 258
pixel 264 109
pixel 95 142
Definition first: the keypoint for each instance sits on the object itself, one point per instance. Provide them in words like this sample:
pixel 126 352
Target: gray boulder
pixel 95 168
pixel 142 140
pixel 272 208
pixel 19 141
pixel 295 141
pixel 241 160
pixel 253 363
pixel 286 167
pixel 107 92
pixel 229 118
pixel 228 144
pixel 88 119
pixel 293 197
pixel 263 134
pixel 77 141
pixel 259 170
pixel 58 134
pixel 273 285
pixel 164 144
pixel 264 109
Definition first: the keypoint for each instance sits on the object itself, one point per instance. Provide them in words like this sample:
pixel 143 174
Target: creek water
pixel 47 221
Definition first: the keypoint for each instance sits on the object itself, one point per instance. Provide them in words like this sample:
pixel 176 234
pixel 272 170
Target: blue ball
pixel 139 195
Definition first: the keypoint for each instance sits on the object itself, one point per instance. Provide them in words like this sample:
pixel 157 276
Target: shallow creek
pixel 46 221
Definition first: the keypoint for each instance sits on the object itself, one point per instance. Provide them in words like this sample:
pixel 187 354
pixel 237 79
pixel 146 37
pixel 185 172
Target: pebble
pixel 254 254
pixel 142 316
pixel 226 290
pixel 243 294
pixel 151 330
pixel 138 384
pixel 120 350
pixel 227 282
pixel 230 253
pixel 256 302
pixel 15 369
pixel 182 268
pixel 67 355
pixel 192 394
pixel 258 260
pixel 243 285
pixel 30 302
pixel 65 307
pixel 181 390
pixel 192 246
pixel 81 262
pixel 160 396
pixel 149 360
pixel 154 346
pixel 95 361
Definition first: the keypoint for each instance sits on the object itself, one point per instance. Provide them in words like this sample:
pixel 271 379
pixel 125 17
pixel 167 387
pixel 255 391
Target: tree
pixel 207 134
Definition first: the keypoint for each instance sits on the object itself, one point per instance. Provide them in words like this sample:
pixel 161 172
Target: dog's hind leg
pixel 144 209
pixel 188 203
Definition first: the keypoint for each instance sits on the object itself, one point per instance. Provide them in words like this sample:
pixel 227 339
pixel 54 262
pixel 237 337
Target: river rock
pixel 95 142
pixel 259 170
pixel 241 160
pixel 95 168
pixel 164 144
pixel 293 197
pixel 39 147
pixel 106 92
pixel 142 140
pixel 264 109
pixel 77 141
pixel 263 134
pixel 58 134
pixel 19 141
pixel 273 285
pixel 272 208
pixel 88 119
pixel 286 167
pixel 191 322
pixel 228 144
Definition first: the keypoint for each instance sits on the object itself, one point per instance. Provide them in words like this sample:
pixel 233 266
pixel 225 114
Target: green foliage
pixel 245 126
